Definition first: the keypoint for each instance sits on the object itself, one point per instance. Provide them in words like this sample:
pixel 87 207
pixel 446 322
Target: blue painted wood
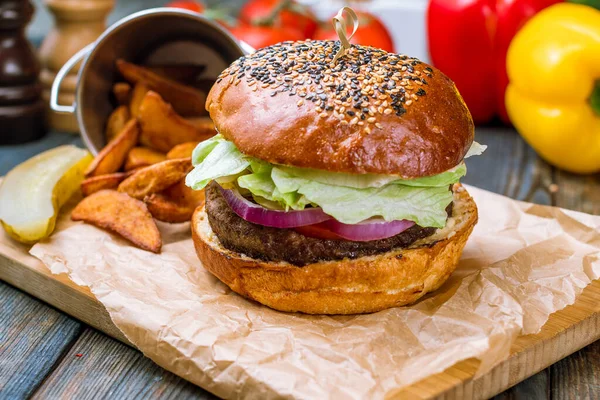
pixel 509 166
pixel 33 338
pixel 577 376
pixel 106 369
pixel 13 155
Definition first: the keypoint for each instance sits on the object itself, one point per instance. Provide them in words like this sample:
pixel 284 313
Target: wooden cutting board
pixel 565 332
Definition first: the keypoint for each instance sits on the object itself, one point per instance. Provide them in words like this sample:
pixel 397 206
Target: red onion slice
pixel 371 229
pixel 257 214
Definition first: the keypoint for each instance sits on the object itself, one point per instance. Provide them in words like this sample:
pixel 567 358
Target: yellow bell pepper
pixel 553 97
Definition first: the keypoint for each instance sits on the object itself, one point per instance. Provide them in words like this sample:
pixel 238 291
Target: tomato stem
pixel 269 19
pixel 595 98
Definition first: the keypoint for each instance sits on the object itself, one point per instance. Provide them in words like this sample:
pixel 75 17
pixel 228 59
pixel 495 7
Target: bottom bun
pixel 348 286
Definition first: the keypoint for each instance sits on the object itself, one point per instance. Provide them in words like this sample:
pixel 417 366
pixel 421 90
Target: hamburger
pixel 332 186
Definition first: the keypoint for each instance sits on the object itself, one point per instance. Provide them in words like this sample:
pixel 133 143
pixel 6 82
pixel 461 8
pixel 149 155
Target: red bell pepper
pixel 468 41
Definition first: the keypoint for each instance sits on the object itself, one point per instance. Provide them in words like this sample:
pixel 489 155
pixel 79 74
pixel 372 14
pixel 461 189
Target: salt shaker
pixel 78 23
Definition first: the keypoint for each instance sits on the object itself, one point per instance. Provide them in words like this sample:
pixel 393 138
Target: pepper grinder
pixel 77 24
pixel 21 106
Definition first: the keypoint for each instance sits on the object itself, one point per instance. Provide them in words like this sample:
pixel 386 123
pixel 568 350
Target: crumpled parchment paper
pixel 522 263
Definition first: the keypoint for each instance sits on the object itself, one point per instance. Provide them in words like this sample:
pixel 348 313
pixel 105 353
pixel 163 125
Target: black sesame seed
pixel 351 113
pixel 421 92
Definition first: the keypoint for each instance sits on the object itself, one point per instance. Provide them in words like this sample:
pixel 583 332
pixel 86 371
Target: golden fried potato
pixel 122 92
pixel 113 155
pixel 183 150
pixel 164 209
pixel 163 129
pixel 121 214
pixel 155 178
pixel 186 100
pixel 142 157
pixel 175 204
pixel 116 121
pixel 101 182
pixel 137 96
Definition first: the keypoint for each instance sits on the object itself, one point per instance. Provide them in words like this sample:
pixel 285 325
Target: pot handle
pixel 70 109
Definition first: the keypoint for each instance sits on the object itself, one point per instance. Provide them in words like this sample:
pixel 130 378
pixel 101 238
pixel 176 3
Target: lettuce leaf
pixel 363 181
pixel 263 186
pixel 476 149
pixel 349 198
pixel 215 160
pixel 204 148
pixel 424 206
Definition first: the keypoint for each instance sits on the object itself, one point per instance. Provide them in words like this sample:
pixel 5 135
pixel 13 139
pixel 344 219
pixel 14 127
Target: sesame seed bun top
pixel 369 112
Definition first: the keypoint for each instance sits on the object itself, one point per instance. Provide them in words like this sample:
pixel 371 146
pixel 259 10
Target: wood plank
pixel 577 376
pixel 109 369
pixel 509 166
pixel 28 273
pixel 33 338
pixel 13 155
pixel 577 192
pixel 561 336
pixel 534 388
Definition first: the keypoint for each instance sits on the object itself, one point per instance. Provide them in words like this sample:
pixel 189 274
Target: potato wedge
pixel 121 214
pixel 162 129
pixel 155 178
pixel 109 181
pixel 186 100
pixel 113 155
pixel 182 73
pixel 164 209
pixel 175 204
pixel 142 157
pixel 137 96
pixel 183 194
pixel 183 150
pixel 116 121
pixel 122 92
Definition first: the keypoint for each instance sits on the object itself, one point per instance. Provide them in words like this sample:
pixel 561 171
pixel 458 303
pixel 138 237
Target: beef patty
pixel 275 244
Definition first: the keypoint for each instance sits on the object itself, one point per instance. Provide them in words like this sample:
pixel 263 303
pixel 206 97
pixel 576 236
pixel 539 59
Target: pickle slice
pixel 33 192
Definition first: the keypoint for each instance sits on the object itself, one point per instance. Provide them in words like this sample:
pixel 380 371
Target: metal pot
pixel 154 36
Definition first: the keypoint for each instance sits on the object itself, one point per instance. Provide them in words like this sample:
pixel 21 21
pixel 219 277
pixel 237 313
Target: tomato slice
pixel 318 231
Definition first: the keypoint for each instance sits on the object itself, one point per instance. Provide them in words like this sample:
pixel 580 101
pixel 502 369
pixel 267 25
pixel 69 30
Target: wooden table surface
pixel 47 354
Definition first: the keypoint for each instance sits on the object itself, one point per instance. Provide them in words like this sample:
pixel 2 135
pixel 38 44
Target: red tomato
pixel 187 5
pixel 263 36
pixel 292 15
pixel 370 32
pixel 318 231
